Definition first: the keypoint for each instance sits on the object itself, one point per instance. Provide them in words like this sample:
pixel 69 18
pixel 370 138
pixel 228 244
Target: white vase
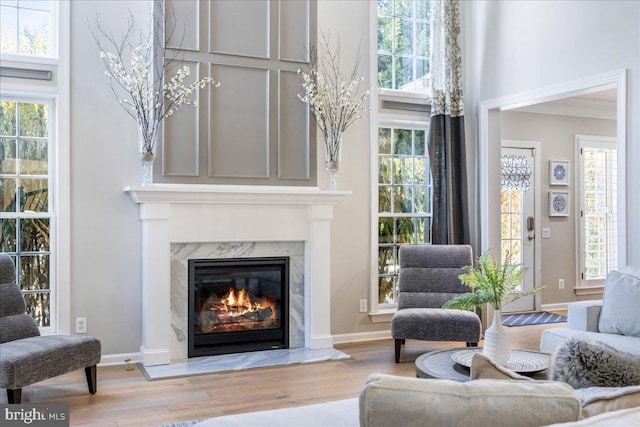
pixel 496 341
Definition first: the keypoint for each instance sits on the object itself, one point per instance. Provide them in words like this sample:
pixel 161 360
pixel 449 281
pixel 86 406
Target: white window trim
pixel 58 94
pixel 582 288
pixel 377 314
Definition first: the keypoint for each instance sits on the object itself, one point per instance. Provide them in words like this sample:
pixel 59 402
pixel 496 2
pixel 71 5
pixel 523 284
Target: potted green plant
pixel 492 283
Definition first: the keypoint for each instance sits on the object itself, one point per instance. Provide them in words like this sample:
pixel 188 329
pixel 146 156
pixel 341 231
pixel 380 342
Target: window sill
pixel 415 97
pixel 382 316
pixel 588 290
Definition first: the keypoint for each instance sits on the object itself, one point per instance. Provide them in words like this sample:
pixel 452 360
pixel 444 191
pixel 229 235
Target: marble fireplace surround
pixel 181 253
pixel 178 216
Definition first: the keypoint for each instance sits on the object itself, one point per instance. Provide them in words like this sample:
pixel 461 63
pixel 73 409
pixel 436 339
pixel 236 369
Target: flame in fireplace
pixel 238 310
pixel 241 302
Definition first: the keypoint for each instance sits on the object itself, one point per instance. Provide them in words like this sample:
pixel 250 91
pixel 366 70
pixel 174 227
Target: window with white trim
pixel 29 126
pixel 26 205
pixel 403 45
pixel 597 198
pixel 28 27
pixel 401 175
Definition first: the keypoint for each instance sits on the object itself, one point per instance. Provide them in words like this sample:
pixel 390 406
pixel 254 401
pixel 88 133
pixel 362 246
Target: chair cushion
pixel 14 323
pixel 34 359
pixel 583 364
pixel 436 324
pixel 620 314
pixel 7 269
pixel 17 327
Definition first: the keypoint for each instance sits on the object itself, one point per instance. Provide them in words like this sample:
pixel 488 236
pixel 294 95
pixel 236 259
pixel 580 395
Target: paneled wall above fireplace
pixel 252 129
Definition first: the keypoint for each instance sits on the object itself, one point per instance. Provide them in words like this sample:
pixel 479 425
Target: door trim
pixel 537 211
pixel 489 142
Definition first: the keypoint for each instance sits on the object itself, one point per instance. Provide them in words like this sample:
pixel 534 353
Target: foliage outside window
pixel 27 27
pixel 25 202
pixel 599 216
pixel 404 201
pixel 403 44
pixel 512 218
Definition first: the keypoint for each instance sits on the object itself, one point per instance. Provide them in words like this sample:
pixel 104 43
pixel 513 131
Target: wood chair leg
pixel 92 378
pixel 14 396
pixel 398 343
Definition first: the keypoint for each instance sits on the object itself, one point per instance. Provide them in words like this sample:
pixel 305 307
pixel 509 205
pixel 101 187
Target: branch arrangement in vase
pixel 137 67
pixel 335 101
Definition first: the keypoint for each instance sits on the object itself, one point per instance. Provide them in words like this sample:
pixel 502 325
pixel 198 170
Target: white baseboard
pixel 119 359
pixel 554 307
pixel 361 337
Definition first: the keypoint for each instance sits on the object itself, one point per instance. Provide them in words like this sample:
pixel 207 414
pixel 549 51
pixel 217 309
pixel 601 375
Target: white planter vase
pixel 496 341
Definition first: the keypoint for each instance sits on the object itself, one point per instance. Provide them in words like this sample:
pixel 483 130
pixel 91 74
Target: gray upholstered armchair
pixel 428 278
pixel 26 357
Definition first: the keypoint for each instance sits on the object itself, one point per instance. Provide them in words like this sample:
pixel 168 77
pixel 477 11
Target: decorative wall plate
pixel 558 172
pixel 558 203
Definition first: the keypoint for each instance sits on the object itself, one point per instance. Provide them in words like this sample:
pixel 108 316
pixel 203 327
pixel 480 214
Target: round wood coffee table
pixel 440 364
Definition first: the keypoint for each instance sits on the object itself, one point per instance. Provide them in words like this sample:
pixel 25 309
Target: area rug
pixel 532 319
pixel 343 413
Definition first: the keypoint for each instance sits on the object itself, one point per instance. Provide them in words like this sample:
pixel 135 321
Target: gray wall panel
pixel 293 134
pixel 293 30
pixel 240 28
pixel 184 17
pixel 239 123
pixel 252 130
pixel 181 140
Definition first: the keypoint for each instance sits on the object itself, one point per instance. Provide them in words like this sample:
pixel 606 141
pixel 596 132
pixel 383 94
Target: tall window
pixel 29 103
pixel 403 44
pixel 598 209
pixel 404 201
pixel 26 213
pixel 401 177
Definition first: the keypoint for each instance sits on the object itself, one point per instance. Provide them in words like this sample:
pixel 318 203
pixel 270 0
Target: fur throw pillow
pixel 583 364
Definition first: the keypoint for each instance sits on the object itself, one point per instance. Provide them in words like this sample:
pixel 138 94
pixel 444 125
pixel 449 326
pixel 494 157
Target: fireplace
pixel 237 305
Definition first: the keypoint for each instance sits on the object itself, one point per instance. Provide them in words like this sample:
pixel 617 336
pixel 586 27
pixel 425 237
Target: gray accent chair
pixel 427 279
pixel 26 357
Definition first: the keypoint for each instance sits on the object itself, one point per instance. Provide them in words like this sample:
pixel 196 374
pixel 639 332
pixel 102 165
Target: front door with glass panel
pixel 517 219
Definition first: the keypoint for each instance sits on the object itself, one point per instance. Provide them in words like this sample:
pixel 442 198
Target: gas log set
pixel 238 304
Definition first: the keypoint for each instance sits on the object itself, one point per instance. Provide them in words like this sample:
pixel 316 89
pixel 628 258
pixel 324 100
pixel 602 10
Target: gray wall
pixel 252 129
pixel 557 137
pixel 563 41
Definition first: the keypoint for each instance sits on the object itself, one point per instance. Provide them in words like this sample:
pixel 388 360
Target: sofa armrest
pixel 584 315
pixel 387 400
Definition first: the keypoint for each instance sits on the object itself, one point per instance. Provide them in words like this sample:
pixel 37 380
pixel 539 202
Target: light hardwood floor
pixel 126 398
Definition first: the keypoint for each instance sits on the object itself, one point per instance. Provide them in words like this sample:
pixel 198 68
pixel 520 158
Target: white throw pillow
pixel 620 313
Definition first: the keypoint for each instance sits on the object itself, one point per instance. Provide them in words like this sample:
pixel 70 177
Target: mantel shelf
pixel 233 194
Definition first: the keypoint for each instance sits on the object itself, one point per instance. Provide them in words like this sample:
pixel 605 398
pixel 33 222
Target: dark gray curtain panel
pixel 447 157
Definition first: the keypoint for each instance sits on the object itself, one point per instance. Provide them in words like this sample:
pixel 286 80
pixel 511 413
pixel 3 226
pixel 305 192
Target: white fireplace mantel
pixel 177 213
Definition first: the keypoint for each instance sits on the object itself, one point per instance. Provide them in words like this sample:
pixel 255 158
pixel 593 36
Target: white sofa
pixel 621 316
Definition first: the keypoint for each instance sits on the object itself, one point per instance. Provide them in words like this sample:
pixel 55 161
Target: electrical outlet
pixel 546 233
pixel 81 325
pixel 560 283
pixel 363 306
